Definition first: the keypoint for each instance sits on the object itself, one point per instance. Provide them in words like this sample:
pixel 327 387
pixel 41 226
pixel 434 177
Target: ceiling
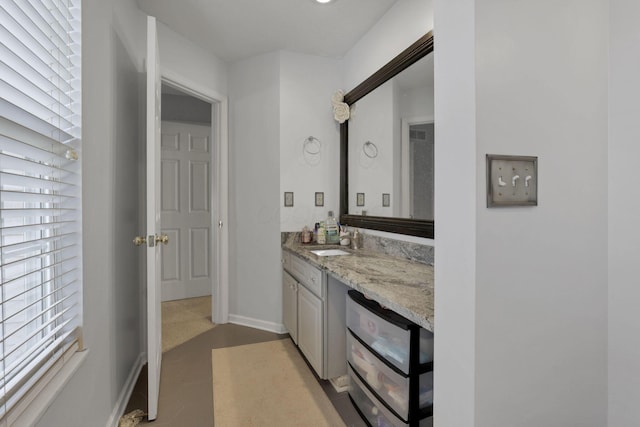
pixel 237 29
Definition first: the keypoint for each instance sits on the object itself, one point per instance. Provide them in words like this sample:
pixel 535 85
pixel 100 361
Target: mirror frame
pixel 414 227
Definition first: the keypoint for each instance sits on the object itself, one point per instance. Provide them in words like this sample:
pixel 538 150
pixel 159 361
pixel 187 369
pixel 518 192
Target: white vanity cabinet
pixel 290 305
pixel 310 328
pixel 314 314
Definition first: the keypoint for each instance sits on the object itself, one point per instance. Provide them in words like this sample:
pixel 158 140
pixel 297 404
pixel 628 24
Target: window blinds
pixel 40 218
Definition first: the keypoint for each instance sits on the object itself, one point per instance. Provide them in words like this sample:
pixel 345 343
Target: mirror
pixel 387 147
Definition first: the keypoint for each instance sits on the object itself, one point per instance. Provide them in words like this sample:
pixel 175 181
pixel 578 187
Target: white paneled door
pixel 186 210
pixel 154 237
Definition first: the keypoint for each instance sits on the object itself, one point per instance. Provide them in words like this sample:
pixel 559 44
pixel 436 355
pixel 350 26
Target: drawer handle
pixel 313 279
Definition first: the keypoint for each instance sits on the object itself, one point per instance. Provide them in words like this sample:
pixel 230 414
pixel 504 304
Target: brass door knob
pixel 139 240
pixel 163 238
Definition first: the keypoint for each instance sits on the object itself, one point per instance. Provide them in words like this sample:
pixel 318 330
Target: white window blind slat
pixel 69 279
pixel 35 93
pixel 49 140
pixel 50 34
pixel 13 164
pixel 39 363
pixel 40 190
pixel 10 315
pixel 47 24
pixel 57 75
pixel 48 337
pixel 18 280
pixel 37 319
pixel 22 100
pixel 28 120
pixel 45 228
pixel 12 63
pixel 22 27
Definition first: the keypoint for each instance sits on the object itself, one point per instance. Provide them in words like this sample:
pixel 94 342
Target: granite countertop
pixel 403 286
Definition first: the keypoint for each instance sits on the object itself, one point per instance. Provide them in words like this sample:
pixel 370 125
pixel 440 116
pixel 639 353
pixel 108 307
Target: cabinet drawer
pixel 307 274
pixel 389 385
pixel 372 410
pixel 389 338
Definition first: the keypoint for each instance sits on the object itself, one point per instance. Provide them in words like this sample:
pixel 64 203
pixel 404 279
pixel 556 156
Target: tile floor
pixel 186 395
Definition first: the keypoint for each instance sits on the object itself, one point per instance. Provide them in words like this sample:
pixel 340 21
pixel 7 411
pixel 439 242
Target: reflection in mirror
pixel 397 120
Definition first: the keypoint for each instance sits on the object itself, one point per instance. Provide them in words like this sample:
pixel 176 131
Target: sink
pixel 330 252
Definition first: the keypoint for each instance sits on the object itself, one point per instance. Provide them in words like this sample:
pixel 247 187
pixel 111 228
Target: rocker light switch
pixel 512 180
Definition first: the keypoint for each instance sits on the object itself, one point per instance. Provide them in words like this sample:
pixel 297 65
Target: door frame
pixel 220 185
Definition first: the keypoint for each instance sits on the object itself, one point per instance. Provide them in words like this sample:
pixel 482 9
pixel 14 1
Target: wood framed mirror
pixel 409 226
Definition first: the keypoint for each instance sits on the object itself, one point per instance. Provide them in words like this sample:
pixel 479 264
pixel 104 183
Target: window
pixel 40 218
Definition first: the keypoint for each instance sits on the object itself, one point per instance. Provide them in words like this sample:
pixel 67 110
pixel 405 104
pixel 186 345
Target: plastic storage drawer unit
pixel 388 384
pixel 370 408
pixel 385 331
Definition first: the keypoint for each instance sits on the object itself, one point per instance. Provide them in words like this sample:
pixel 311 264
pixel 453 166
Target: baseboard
pixel 277 328
pixel 125 394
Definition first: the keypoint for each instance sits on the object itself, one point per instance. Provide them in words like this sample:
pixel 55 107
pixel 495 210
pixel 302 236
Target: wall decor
pixel 288 199
pixel 319 198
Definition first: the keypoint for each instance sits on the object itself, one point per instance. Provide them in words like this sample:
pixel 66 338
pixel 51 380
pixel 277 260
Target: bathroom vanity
pixel 317 312
pixel 314 314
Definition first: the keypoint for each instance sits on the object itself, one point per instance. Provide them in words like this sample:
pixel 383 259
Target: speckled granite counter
pixel 405 287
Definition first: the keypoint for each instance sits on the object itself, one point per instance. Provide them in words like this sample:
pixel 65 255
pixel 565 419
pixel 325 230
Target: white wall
pixel 624 211
pixel 306 85
pixel 541 278
pixel 403 24
pixel 255 294
pixel 191 62
pixel 112 297
pixel 417 102
pixel 455 174
pixel 539 273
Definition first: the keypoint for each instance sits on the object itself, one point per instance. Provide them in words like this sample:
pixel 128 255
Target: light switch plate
pixel 512 180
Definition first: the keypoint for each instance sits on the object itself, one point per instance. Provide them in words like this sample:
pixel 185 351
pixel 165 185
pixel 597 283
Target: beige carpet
pixel 184 319
pixel 267 384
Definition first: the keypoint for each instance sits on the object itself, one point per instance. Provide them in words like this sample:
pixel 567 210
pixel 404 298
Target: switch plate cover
pixel 512 180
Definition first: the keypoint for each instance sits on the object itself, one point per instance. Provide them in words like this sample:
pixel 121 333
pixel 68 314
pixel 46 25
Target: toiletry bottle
pixel 306 235
pixel 355 240
pixel 333 233
pixel 322 235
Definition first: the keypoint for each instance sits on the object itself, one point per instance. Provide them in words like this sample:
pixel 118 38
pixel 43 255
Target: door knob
pixel 139 240
pixel 163 238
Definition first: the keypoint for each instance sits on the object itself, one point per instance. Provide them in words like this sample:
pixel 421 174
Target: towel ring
pixel 312 145
pixel 370 149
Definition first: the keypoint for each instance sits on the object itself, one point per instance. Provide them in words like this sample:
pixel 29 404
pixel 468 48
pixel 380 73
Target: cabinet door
pixel 310 328
pixel 290 305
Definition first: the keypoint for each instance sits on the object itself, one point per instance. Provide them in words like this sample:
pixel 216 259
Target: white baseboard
pixel 277 328
pixel 125 394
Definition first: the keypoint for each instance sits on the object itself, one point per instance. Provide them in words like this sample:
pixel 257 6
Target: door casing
pixel 220 186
